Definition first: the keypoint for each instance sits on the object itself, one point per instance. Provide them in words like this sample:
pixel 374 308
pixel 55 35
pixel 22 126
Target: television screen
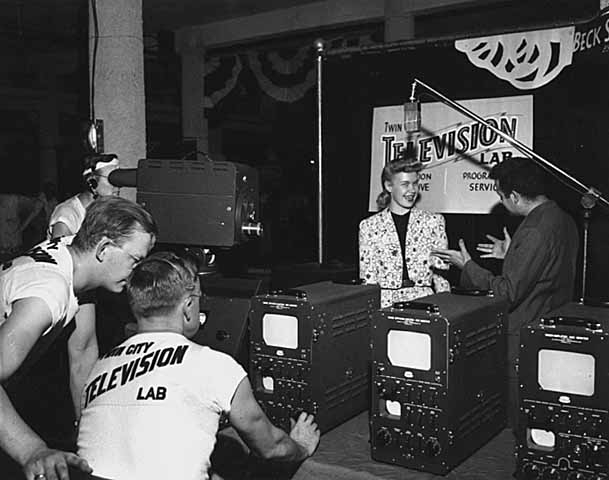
pixel 280 330
pixel 541 439
pixel 393 408
pixel 566 372
pixel 409 349
pixel 268 384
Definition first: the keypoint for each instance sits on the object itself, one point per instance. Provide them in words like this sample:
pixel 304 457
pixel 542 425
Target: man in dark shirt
pixel 539 265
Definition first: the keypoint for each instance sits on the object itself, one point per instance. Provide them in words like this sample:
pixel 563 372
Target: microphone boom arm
pixel 546 164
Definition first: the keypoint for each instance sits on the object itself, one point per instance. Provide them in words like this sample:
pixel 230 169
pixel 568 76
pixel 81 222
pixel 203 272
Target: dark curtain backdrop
pixel 570 129
pixel 278 139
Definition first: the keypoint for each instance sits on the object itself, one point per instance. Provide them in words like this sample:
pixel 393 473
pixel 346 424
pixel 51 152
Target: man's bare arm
pixel 83 351
pixel 26 323
pixel 29 318
pixel 262 437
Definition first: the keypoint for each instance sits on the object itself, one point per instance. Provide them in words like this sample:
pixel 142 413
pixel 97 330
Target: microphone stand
pixel 590 195
pixel 319 48
pixel 588 202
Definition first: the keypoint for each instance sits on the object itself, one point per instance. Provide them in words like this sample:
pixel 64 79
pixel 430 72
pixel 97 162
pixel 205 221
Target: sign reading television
pixel 457 153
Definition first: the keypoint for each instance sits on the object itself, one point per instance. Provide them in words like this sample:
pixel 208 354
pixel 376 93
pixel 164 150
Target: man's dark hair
pixel 115 218
pixel 520 174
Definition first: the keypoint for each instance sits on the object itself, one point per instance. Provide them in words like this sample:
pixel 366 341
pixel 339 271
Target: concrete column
pixel 194 123
pixel 399 21
pixel 119 80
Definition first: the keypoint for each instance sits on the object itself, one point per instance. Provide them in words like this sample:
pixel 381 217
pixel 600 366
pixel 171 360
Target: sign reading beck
pixel 457 153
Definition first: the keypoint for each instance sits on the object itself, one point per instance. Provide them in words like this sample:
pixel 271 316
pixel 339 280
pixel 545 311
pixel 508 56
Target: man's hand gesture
pixel 457 258
pixel 497 248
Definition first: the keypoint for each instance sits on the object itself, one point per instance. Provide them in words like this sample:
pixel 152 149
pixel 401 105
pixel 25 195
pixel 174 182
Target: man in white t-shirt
pixel 38 299
pixel 67 217
pixel 151 406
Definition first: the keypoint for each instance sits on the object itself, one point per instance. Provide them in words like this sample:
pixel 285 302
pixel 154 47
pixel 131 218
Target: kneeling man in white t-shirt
pixel 152 405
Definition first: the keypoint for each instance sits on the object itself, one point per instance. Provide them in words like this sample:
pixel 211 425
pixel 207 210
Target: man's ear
pixel 186 308
pixel 101 250
pixel 515 197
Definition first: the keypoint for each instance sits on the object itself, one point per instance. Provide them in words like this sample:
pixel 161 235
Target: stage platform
pixel 344 454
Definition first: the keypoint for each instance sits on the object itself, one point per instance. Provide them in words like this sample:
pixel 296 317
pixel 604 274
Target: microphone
pixel 412 113
pixel 588 200
pixel 123 177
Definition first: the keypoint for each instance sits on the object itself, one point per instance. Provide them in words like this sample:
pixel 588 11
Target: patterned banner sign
pixel 527 60
pixel 456 152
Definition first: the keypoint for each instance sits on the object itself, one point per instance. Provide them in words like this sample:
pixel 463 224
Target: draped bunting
pixel 289 66
pixel 280 93
pixel 527 60
pixel 212 65
pixel 211 100
pixel 277 65
pixel 284 79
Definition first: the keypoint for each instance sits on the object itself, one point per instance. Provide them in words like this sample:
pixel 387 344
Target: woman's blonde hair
pixel 402 164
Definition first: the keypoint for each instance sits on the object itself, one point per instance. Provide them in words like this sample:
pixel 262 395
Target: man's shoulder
pixel 70 206
pixel 36 276
pixel 49 258
pixel 52 252
pixel 547 216
pixel 70 201
pixel 212 355
pixel 27 278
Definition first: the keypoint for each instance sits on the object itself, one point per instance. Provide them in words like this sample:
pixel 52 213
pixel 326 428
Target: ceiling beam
pixel 302 18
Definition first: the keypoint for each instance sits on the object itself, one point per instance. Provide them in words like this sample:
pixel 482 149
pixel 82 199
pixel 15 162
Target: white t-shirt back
pixel 151 408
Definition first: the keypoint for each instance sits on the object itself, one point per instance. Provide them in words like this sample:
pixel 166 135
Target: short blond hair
pixel 159 282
